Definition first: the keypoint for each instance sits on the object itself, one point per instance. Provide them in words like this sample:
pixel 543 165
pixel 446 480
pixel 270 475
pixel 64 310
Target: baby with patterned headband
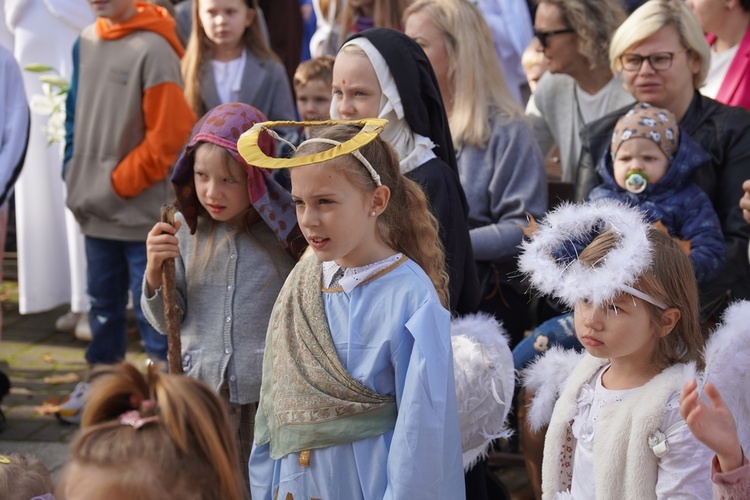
pixel 649 165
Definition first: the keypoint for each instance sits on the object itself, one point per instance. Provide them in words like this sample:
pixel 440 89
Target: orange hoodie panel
pixel 169 121
pixel 149 17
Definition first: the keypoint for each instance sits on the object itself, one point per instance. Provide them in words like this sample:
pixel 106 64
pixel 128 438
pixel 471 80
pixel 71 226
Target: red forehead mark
pixel 343 82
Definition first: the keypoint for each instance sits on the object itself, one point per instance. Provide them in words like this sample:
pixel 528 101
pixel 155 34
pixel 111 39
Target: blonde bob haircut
pixel 479 87
pixel 653 16
pixel 593 21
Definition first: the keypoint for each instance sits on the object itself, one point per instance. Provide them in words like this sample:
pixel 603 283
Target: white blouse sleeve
pixel 685 471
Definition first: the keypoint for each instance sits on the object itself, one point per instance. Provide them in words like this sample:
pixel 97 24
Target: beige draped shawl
pixel 308 399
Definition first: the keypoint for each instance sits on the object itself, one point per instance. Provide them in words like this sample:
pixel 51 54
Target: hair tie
pixel 134 419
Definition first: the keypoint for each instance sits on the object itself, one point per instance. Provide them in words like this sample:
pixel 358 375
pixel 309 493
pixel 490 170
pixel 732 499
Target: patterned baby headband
pixel 133 418
pixel 550 257
pixel 248 147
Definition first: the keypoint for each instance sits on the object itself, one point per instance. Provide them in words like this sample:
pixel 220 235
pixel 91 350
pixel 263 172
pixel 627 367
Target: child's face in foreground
pixel 621 331
pixel 334 214
pixel 356 90
pixel 314 100
pixel 225 21
pixel 221 188
pixel 116 11
pixel 639 154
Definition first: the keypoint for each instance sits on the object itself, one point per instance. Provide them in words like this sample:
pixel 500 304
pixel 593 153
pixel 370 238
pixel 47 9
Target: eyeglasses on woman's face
pixel 659 61
pixel 543 36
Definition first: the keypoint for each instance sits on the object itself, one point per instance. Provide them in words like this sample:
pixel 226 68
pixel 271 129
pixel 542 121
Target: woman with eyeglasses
pixel 580 87
pixel 663 57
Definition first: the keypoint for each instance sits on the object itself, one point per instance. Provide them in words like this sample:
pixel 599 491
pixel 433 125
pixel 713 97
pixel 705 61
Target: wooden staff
pixel 171 309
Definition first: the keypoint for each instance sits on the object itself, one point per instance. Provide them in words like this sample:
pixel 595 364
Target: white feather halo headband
pixel 550 257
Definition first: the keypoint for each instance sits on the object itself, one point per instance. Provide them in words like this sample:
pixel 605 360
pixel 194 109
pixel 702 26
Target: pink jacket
pixel 735 89
pixel 730 485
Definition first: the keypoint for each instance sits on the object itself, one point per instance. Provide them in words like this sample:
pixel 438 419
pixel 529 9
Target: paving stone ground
pixel 38 360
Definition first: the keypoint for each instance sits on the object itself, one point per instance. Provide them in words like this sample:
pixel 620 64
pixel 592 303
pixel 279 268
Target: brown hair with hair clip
pixel 407 224
pixel 185 452
pixel 669 279
pixel 23 476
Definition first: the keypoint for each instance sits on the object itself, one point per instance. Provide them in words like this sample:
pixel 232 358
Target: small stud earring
pixel 372 214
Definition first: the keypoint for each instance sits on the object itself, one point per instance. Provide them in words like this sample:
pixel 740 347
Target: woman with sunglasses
pixel 574 37
pixel 663 57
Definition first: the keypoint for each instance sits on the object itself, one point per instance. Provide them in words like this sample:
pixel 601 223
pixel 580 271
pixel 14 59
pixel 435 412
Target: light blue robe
pixel 393 336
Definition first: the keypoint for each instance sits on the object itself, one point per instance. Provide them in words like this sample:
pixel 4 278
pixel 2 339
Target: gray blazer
pixel 264 86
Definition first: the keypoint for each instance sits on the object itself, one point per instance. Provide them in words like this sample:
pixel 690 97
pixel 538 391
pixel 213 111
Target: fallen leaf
pixel 48 406
pixel 48 359
pixel 63 378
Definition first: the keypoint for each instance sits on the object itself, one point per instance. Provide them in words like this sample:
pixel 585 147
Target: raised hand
pixel 712 425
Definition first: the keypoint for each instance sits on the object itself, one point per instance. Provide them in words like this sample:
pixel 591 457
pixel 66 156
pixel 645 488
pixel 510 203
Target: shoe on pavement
pixel 67 322
pixel 83 328
pixel 70 411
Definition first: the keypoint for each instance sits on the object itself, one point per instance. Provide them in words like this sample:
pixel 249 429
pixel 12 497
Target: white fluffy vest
pixel 625 466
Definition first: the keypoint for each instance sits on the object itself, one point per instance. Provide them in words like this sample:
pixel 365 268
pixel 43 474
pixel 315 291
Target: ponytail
pixel 183 448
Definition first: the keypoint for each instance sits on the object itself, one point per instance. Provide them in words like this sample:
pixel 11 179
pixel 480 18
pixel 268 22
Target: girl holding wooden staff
pixel 234 242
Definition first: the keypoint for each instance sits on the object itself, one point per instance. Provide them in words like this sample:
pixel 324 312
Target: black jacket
pixel 724 133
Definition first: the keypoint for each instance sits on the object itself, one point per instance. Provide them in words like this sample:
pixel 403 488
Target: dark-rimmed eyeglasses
pixel 659 61
pixel 542 36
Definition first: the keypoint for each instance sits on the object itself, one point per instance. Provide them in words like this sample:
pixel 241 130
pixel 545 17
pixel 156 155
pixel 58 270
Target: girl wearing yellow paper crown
pixel 358 397
pixel 235 241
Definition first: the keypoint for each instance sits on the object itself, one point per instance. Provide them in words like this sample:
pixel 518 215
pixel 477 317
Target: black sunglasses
pixel 542 36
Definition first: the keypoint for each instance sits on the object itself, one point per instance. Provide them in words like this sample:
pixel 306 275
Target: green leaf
pixel 57 81
pixel 38 68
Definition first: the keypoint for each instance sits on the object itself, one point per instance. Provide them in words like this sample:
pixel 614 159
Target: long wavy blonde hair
pixel 479 88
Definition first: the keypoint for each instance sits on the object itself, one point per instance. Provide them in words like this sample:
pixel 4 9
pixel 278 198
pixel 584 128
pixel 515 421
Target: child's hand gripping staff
pixel 171 309
pixel 161 247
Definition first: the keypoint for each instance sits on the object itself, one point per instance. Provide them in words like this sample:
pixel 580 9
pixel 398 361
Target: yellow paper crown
pixel 247 145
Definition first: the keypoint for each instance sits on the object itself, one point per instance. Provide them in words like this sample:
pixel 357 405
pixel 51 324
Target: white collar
pixel 354 276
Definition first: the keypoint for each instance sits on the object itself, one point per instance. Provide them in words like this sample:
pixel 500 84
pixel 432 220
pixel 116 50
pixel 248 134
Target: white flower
pixel 51 102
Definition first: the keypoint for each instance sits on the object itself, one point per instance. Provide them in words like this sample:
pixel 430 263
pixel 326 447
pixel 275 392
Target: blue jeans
pixel 113 268
pixel 556 331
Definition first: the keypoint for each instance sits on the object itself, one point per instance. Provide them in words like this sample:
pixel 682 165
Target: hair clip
pixel 4 459
pixel 133 419
pixel 248 147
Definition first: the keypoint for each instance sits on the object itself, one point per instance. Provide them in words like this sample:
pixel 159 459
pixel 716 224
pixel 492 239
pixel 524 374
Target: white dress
pixel 51 258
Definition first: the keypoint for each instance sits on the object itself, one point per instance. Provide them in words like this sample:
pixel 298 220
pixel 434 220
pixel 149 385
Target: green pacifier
pixel 636 182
